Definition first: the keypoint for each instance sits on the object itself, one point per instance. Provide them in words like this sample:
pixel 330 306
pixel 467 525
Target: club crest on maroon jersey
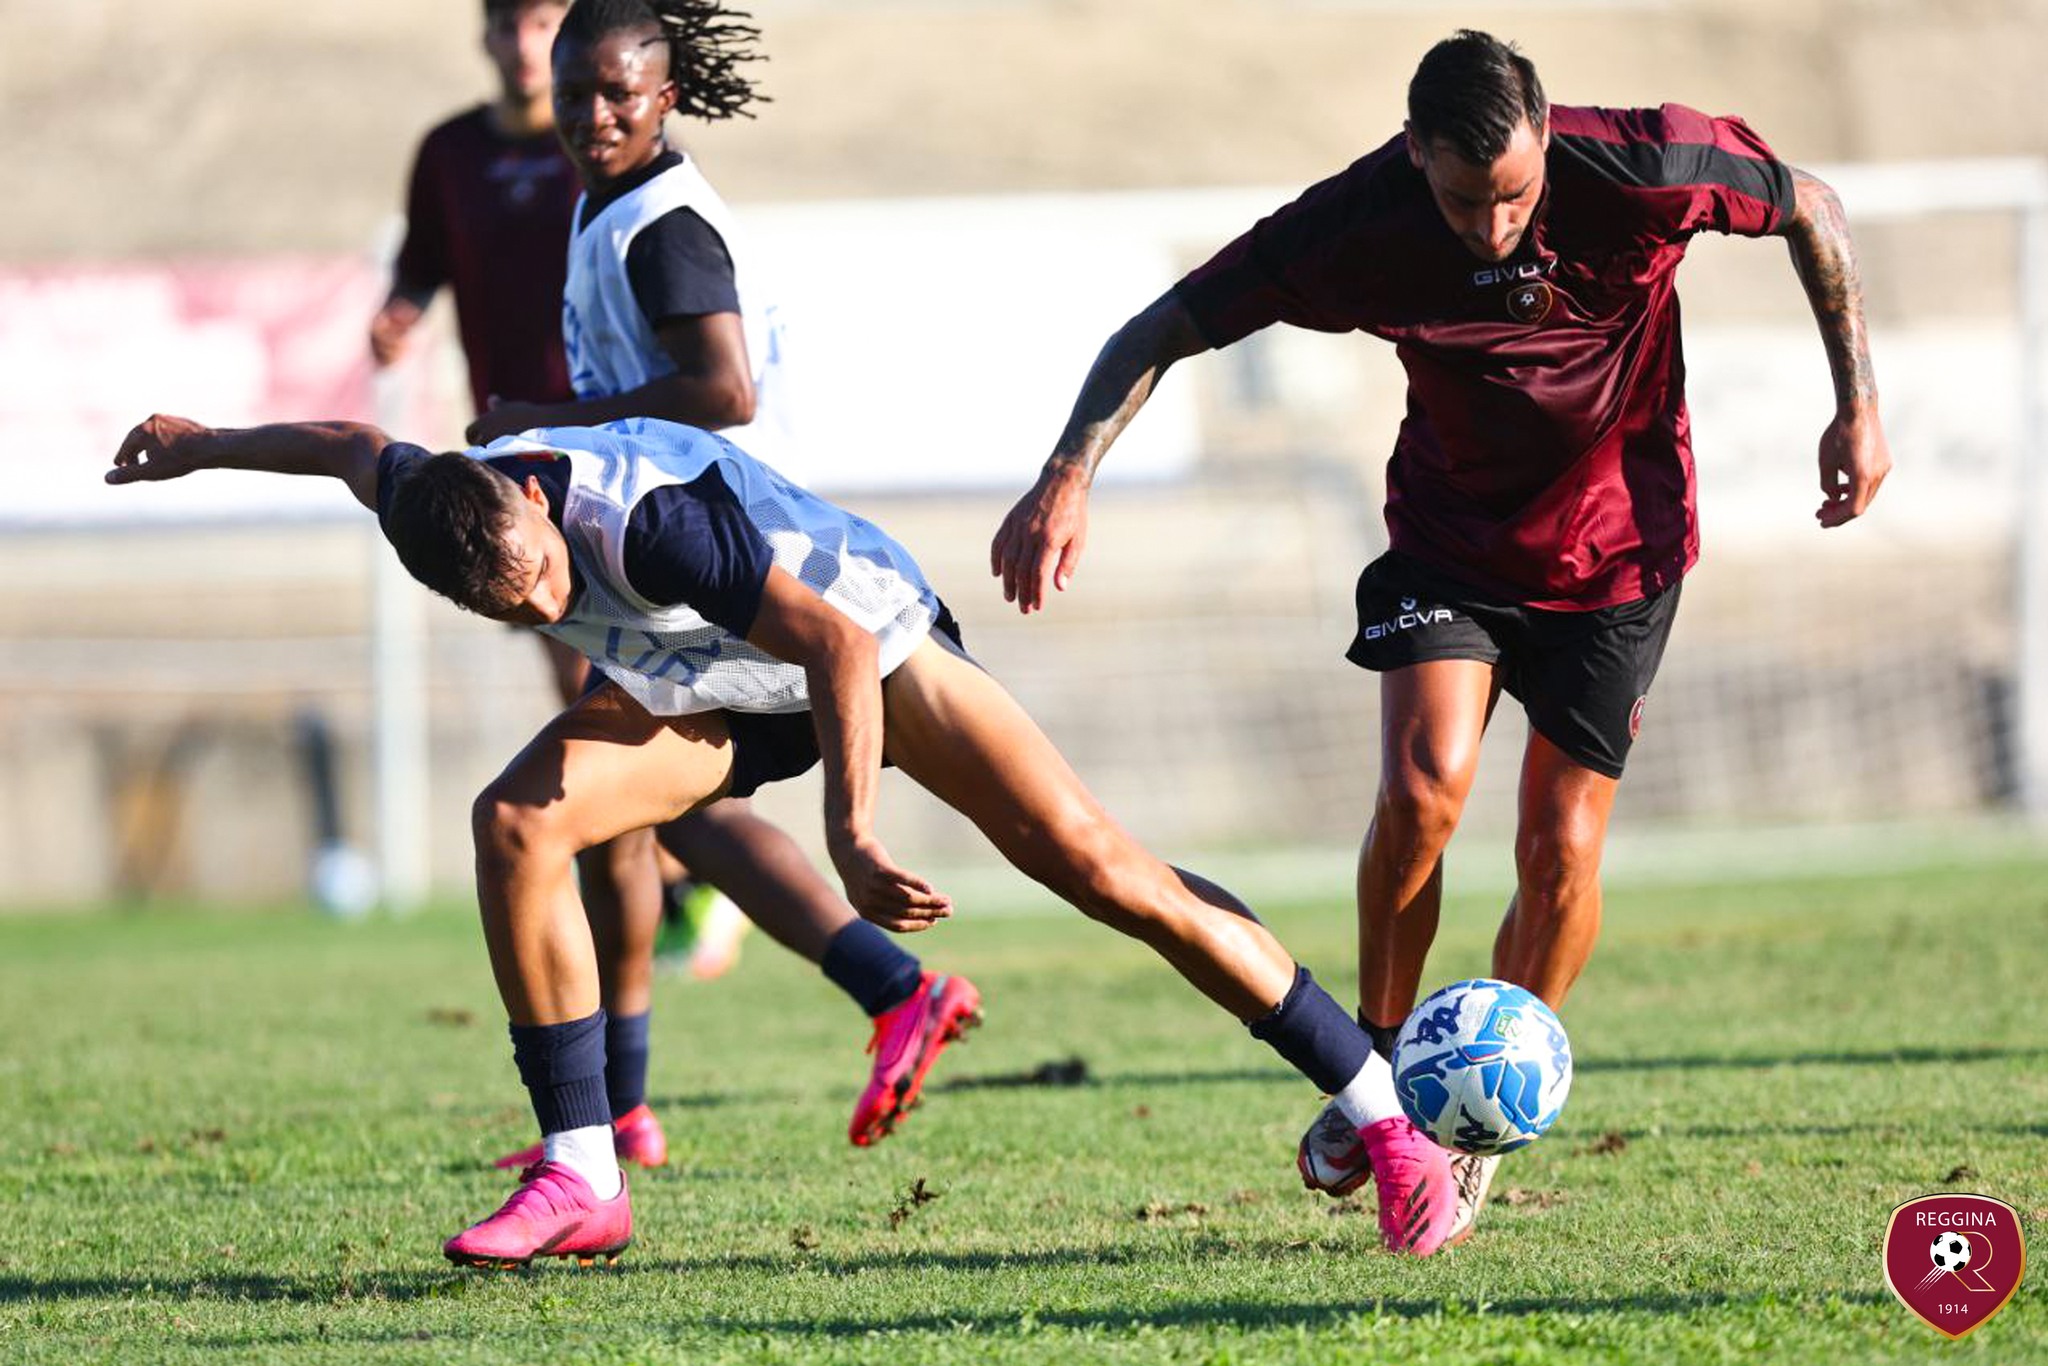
pixel 1954 1260
pixel 1530 301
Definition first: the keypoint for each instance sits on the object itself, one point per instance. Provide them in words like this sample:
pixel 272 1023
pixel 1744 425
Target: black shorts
pixel 1583 677
pixel 768 747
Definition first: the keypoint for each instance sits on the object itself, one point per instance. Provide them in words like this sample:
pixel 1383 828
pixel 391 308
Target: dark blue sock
pixel 1315 1035
pixel 563 1068
pixel 865 963
pixel 625 1061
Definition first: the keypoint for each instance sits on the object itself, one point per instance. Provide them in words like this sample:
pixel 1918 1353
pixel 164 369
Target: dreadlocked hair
pixel 707 46
pixel 447 520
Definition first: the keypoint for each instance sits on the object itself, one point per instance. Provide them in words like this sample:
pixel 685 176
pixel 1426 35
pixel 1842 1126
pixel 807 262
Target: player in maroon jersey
pixel 487 214
pixel 1540 495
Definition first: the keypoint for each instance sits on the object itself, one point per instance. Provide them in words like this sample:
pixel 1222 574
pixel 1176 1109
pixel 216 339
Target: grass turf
pixel 243 1135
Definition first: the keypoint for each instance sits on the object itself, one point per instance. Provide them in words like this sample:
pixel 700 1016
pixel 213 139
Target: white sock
pixel 1370 1096
pixel 589 1153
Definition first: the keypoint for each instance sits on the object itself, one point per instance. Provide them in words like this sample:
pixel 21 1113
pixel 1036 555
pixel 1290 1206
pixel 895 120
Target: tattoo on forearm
pixel 1825 259
pixel 1118 384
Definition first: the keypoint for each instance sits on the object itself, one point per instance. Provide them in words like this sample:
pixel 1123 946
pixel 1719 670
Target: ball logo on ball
pixel 1483 1067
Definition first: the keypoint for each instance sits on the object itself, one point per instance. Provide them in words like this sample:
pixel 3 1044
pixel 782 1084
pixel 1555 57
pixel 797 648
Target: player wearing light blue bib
pixel 743 592
pixel 669 656
pixel 665 314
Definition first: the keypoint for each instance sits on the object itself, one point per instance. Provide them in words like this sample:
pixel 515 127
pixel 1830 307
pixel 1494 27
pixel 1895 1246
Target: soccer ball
pixel 1951 1251
pixel 1482 1067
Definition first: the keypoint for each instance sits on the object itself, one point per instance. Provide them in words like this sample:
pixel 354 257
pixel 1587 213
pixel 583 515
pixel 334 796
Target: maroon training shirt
pixel 1546 456
pixel 489 215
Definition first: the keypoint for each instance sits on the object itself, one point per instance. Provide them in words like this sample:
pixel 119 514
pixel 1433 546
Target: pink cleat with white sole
pixel 554 1213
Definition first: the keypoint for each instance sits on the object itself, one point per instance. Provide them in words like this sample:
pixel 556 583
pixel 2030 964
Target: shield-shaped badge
pixel 1954 1260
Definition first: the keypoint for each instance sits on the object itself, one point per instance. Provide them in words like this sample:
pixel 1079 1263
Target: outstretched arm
pixel 840 666
pixel 1854 458
pixel 170 447
pixel 1038 547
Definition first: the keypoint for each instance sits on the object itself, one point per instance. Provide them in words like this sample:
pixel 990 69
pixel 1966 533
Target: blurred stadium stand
pixel 149 675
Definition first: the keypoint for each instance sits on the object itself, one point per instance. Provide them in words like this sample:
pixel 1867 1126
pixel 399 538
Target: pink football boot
pixel 554 1213
pixel 1418 1195
pixel 906 1042
pixel 1332 1159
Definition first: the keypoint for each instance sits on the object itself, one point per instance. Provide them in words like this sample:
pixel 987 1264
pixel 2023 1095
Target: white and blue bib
pixel 668 657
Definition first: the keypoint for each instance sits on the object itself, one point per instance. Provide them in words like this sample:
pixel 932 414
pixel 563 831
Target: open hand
pixel 161 447
pixel 1038 546
pixel 892 897
pixel 1854 459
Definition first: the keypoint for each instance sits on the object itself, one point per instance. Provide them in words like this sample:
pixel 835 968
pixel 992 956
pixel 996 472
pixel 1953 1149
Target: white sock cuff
pixel 1370 1097
pixel 589 1153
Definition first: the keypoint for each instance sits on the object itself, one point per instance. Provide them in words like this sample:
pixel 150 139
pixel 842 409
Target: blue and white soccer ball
pixel 1482 1067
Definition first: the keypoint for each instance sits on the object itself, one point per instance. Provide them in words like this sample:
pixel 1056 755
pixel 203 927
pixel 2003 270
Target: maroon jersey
pixel 1545 456
pixel 489 215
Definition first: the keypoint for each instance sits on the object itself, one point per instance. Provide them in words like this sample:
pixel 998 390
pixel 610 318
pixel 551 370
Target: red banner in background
pixel 87 351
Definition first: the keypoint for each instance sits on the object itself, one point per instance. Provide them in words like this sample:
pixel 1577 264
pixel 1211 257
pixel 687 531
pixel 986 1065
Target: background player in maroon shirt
pixel 1540 495
pixel 488 214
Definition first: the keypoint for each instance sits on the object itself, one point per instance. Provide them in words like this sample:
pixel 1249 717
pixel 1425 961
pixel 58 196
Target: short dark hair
pixel 447 520
pixel 1471 92
pixel 707 43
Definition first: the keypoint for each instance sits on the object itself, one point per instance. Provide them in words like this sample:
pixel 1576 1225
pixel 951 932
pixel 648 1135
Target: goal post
pixel 2016 185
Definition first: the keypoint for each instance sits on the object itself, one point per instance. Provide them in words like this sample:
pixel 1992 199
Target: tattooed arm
pixel 1039 544
pixel 1854 458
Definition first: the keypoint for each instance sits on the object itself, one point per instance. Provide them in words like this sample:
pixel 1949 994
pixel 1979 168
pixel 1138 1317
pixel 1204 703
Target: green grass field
pixel 245 1136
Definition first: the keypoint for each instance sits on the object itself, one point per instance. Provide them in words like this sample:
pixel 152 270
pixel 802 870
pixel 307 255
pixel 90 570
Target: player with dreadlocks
pixel 663 317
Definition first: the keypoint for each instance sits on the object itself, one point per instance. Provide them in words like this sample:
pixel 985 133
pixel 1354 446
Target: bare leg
pixel 1555 914
pixel 599 770
pixel 1504 938
pixel 620 880
pixel 1432 718
pixel 753 861
pixel 622 894
pixel 955 731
